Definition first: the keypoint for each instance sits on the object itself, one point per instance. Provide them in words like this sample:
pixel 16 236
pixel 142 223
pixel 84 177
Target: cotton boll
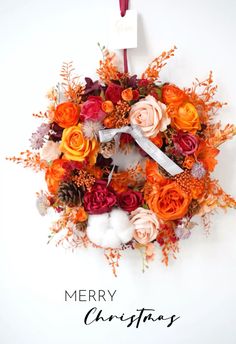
pixel 119 219
pixel 110 239
pixel 110 229
pixel 97 226
pixel 126 235
pixel 120 223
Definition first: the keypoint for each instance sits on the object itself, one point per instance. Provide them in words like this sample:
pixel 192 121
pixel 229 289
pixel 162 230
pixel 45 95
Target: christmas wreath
pixel 127 160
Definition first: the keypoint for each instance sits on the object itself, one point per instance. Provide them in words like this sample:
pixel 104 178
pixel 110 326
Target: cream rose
pixel 50 151
pixel 150 115
pixel 146 225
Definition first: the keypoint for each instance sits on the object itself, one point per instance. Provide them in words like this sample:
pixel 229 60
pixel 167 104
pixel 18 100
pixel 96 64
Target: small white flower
pixel 42 203
pixel 50 151
pixel 91 129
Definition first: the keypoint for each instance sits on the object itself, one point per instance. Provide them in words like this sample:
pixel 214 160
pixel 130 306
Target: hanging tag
pixel 123 31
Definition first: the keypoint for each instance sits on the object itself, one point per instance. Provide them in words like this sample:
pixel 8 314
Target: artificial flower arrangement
pixel 173 137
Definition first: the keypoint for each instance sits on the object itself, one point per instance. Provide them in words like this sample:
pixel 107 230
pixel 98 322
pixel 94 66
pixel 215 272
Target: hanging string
pixel 124 4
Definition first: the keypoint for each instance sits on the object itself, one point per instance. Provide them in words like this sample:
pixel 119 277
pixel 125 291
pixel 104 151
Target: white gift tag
pixel 123 31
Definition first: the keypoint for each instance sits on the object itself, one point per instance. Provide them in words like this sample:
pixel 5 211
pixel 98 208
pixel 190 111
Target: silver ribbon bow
pixel 152 150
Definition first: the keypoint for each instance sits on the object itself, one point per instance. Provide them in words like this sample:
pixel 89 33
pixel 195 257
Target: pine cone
pixel 69 193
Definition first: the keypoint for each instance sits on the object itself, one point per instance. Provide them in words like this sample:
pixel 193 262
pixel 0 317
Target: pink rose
pixel 150 115
pixel 113 93
pixel 92 109
pixel 146 225
pixel 100 200
pixel 185 143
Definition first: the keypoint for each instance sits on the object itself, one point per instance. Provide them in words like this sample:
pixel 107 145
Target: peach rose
pixel 76 147
pixel 146 225
pixel 54 175
pixel 186 118
pixel 170 202
pixel 66 114
pixel 150 115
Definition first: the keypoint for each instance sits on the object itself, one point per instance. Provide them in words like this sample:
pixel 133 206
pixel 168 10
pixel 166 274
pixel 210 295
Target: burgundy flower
pixel 185 143
pixel 130 200
pixel 113 93
pixel 143 82
pixel 136 95
pixel 100 200
pixel 126 139
pixel 92 109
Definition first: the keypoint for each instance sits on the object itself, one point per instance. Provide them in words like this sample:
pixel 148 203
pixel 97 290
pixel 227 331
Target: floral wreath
pixel 127 160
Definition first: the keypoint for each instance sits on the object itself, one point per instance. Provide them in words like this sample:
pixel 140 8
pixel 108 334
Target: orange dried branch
pixel 30 159
pixel 201 94
pixel 41 115
pixel 169 248
pixel 107 71
pixel 216 197
pixel 216 136
pixel 73 89
pixel 153 70
pixel 113 256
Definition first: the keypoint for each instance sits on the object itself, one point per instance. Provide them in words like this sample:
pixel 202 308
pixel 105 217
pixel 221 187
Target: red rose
pixel 100 200
pixel 92 109
pixel 113 93
pixel 143 83
pixel 185 143
pixel 136 95
pixel 130 200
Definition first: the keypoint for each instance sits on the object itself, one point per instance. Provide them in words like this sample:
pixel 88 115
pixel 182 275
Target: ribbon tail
pixel 156 154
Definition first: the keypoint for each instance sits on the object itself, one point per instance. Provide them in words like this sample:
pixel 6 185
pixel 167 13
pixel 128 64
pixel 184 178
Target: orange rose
pixel 127 94
pixel 76 147
pixel 81 215
pixel 107 106
pixel 172 94
pixel 186 118
pixel 170 203
pixel 157 140
pixel 54 175
pixel 66 114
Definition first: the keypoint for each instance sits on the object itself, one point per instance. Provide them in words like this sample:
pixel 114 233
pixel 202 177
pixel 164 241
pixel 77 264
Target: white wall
pixel 36 37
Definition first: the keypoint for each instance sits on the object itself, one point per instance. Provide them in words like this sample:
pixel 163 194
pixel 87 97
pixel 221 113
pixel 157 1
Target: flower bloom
pixel 100 200
pixel 130 200
pixel 170 202
pixel 66 114
pixel 76 147
pixel 146 225
pixel 185 143
pixel 127 94
pixel 107 106
pixel 172 94
pixel 50 151
pixel 113 93
pixel 186 118
pixel 54 175
pixel 92 109
pixel 150 115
